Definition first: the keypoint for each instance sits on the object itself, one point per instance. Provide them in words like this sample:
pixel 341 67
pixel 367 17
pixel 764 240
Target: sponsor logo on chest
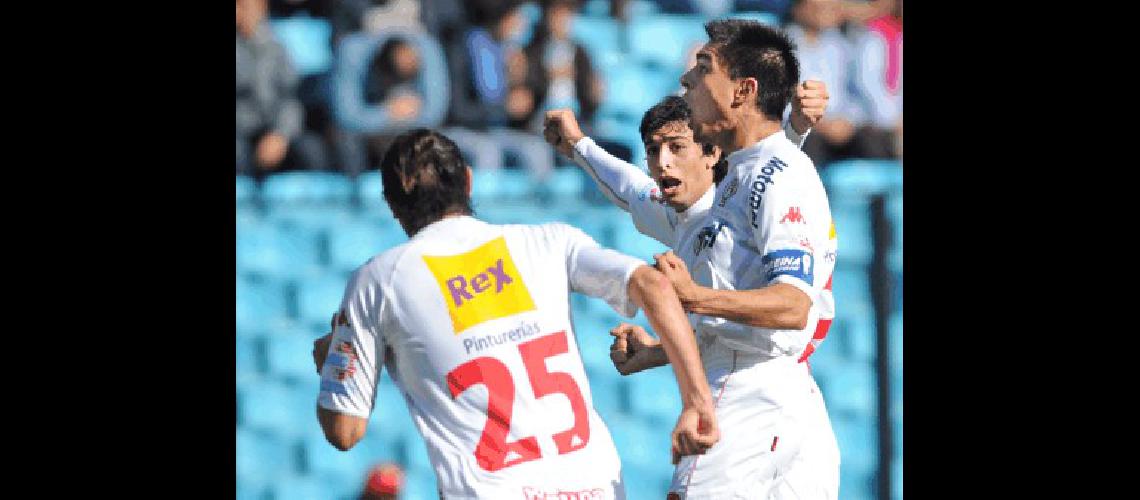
pixel 760 186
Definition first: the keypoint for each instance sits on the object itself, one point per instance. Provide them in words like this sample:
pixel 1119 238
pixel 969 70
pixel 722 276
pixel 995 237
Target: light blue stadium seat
pixel 289 355
pixel 599 35
pixel 293 188
pixel 492 187
pixel 324 460
pixel 851 389
pixel 665 39
pixel 860 336
pixel 608 391
pixel 306 41
pixel 262 457
pixel 342 486
pixel 646 483
pixel 249 355
pixel 272 251
pixel 316 220
pixel 415 456
pixel 318 299
pixel 599 222
pixel 863 177
pixel 896 340
pixel 640 442
pixel 897 479
pixel 565 185
pixel 510 212
pixel 653 394
pixel 632 89
pixel 246 190
pixel 859 452
pixel 628 241
pixel 420 485
pixel 272 406
pixel 853 229
pixel 247 217
pixel 260 305
pixel 299 487
pixel 370 192
pixel 894 208
pixel 352 244
pixel 252 489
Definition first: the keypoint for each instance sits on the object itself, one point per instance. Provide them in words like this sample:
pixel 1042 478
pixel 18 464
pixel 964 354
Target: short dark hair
pixel 750 49
pixel 673 109
pixel 424 177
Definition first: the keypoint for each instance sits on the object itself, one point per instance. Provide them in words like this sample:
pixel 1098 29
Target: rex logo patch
pixel 480 285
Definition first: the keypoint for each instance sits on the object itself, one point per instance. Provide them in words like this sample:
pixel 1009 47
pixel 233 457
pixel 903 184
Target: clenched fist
pixel 808 105
pixel 561 130
pixel 635 350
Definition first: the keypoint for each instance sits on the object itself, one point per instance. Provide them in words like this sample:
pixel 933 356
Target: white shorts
pixel 814 472
pixel 768 410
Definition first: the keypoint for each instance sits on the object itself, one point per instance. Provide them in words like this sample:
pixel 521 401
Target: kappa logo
pixel 793 216
pixel 480 285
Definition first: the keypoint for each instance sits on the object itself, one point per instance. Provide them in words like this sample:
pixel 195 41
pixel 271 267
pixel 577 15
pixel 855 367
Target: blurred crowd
pixel 484 72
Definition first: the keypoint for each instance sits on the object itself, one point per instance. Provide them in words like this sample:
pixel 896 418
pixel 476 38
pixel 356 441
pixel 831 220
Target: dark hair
pixel 487 13
pixel 424 178
pixel 750 49
pixel 674 109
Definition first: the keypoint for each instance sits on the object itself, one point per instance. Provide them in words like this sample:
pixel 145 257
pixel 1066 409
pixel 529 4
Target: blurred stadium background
pixel 304 226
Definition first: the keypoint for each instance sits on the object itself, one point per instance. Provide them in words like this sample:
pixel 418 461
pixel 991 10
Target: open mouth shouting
pixel 670 186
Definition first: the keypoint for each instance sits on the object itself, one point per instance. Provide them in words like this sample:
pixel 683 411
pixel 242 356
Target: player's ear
pixel 746 90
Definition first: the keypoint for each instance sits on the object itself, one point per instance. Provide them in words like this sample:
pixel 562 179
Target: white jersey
pixel 472 321
pixel 770 223
pixel 755 415
pixel 634 191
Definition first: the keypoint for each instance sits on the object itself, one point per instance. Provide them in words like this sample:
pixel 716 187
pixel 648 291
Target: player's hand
pixel 561 130
pixel 321 345
pixel 321 350
pixel 678 273
pixel 696 431
pixel 271 150
pixel 808 105
pixel 633 349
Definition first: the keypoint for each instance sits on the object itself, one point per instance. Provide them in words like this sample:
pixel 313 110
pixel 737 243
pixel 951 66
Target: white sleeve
pixel 351 372
pixel 600 272
pixel 628 187
pixel 782 229
pixel 793 136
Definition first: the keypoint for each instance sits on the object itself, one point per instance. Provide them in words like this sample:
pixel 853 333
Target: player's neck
pixel 750 129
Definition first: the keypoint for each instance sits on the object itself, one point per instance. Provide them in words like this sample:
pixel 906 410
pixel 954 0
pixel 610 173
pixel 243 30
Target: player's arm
pixel 350 369
pixel 628 284
pixel 625 185
pixel 779 306
pixel 808 106
pixel 785 231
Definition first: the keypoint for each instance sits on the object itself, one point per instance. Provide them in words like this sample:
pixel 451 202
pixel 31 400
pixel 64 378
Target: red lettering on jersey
pixel 793 215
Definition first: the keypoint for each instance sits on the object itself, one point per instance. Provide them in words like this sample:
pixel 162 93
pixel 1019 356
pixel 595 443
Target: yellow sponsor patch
pixel 831 233
pixel 480 285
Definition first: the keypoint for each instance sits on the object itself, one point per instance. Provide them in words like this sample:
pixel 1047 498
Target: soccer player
pixel 766 328
pixel 472 321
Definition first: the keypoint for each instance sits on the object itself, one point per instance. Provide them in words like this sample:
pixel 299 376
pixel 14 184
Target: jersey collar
pixel 738 157
pixel 699 208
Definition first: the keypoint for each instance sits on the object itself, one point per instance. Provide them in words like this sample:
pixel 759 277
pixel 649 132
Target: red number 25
pixel 493 450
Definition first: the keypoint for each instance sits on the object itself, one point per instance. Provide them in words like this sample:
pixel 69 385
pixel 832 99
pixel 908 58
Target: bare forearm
pixel 657 298
pixel 779 306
